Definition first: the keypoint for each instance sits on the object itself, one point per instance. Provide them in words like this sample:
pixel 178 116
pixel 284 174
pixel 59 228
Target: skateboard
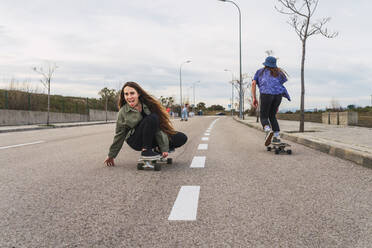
pixel 153 163
pixel 280 148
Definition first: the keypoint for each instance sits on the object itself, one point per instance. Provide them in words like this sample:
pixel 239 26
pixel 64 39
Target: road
pixel 56 192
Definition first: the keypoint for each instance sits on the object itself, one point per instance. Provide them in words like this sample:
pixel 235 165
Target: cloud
pixel 98 44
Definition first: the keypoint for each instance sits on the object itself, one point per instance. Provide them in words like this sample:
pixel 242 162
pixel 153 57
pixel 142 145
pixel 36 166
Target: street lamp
pixel 240 59
pixel 232 91
pixel 187 61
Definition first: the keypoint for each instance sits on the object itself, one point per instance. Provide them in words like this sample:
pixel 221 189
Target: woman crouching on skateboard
pixel 270 80
pixel 144 124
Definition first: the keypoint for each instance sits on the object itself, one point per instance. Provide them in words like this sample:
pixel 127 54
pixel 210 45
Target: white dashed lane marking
pixel 198 162
pixel 186 205
pixel 203 147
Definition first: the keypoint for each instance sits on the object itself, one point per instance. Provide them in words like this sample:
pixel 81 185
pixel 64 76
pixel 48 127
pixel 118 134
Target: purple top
pixel 271 85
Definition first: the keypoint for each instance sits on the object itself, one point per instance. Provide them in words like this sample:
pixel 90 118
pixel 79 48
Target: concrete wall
pixel 313 117
pixel 365 120
pixel 333 118
pixel 348 118
pixel 340 118
pixel 344 118
pixel 326 118
pixel 22 117
pixel 100 115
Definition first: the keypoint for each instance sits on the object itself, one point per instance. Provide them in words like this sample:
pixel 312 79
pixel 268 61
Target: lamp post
pixel 240 59
pixel 187 61
pixel 193 85
pixel 232 91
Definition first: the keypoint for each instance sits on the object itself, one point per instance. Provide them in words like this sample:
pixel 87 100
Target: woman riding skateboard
pixel 144 124
pixel 270 80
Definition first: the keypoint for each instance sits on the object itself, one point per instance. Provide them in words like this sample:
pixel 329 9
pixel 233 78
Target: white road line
pixel 186 205
pixel 206 134
pixel 25 144
pixel 198 162
pixel 203 147
pixel 204 138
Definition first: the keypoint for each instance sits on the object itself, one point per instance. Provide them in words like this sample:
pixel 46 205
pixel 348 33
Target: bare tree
pixel 335 104
pixel 46 74
pixel 163 101
pixel 269 52
pixel 170 101
pixel 107 95
pixel 300 13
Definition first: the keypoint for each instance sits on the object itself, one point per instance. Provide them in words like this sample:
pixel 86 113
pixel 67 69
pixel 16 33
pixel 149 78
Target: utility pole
pixel 232 92
pixel 181 102
pixel 240 60
pixel 106 106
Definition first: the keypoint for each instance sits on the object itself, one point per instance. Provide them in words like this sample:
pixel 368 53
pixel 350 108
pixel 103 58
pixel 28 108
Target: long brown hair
pixel 274 71
pixel 153 104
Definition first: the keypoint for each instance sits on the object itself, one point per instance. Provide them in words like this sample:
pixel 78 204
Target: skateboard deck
pixel 279 148
pixel 155 164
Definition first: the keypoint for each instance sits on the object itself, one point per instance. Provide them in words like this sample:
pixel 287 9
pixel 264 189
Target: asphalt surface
pixel 56 192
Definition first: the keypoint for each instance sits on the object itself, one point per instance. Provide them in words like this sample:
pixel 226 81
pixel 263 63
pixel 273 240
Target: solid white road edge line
pixel 186 205
pixel 198 162
pixel 25 144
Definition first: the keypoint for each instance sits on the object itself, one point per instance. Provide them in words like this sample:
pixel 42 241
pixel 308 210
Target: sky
pixel 98 44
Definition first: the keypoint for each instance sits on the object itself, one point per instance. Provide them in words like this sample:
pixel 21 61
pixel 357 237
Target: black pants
pixel 269 105
pixel 144 135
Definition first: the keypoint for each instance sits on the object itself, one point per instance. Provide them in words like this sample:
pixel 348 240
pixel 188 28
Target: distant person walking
pixel 184 113
pixel 270 80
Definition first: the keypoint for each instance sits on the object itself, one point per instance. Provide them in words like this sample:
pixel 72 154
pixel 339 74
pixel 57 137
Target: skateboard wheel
pixel 277 151
pixel 268 148
pixel 139 166
pixel 289 152
pixel 169 160
pixel 157 167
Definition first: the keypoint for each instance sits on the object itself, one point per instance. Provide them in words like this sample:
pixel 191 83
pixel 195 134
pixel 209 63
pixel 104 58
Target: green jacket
pixel 128 118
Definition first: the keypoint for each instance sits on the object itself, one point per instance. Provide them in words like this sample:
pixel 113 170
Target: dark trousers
pixel 144 135
pixel 269 105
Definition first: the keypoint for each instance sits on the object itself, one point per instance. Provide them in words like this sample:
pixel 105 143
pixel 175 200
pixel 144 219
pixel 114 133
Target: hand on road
pixel 165 154
pixel 255 103
pixel 109 161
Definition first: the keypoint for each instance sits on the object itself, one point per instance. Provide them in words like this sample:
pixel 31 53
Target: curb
pixel 51 127
pixel 340 152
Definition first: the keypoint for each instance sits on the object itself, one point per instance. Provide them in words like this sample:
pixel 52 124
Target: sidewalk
pixel 5 129
pixel 346 142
